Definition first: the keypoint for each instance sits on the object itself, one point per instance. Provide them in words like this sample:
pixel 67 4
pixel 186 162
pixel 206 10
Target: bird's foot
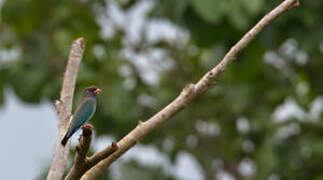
pixel 88 125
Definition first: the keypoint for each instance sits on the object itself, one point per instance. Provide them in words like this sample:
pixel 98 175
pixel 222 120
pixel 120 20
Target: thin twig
pixel 189 93
pixel 64 109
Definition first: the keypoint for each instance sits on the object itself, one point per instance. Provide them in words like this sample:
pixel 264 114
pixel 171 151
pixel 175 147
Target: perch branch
pixel 82 148
pixel 189 93
pixel 64 109
pixel 82 163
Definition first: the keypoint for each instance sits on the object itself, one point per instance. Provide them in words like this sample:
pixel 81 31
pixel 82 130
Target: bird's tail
pixel 65 139
pixel 69 134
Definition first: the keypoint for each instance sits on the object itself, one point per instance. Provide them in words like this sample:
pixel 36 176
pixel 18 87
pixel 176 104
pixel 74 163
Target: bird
pixel 83 113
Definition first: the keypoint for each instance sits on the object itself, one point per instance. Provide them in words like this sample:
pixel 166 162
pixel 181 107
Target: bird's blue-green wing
pixel 83 113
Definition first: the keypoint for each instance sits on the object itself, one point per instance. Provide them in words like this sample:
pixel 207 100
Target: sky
pixel 27 136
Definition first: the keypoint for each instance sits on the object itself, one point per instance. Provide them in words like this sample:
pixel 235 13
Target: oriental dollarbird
pixel 84 112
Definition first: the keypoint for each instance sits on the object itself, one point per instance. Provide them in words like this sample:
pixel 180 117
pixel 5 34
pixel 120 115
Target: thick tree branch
pixel 82 163
pixel 189 93
pixel 79 166
pixel 97 157
pixel 64 109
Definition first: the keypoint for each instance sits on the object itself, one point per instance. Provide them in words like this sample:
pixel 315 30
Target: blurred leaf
pixel 210 10
pixel 252 6
pixel 237 15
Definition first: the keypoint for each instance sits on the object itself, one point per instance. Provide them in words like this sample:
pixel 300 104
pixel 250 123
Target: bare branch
pixel 79 166
pixel 97 157
pixel 64 109
pixel 204 83
pixel 189 93
pixel 83 163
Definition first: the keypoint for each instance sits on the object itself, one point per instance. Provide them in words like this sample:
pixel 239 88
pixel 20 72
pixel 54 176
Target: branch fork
pixel 82 163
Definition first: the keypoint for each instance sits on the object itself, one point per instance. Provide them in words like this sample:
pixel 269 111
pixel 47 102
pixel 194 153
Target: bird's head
pixel 91 91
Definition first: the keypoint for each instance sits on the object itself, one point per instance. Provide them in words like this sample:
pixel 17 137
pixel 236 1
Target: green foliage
pixel 211 11
pixel 208 128
pixel 135 171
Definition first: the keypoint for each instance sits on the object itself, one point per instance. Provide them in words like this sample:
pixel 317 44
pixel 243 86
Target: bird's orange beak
pixel 97 91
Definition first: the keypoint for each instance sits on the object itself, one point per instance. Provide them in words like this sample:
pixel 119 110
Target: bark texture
pixel 64 109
